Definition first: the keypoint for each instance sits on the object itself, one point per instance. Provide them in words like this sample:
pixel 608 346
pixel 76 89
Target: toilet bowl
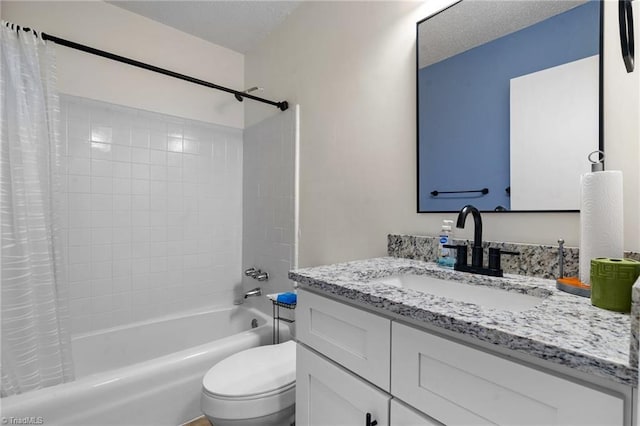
pixel 252 387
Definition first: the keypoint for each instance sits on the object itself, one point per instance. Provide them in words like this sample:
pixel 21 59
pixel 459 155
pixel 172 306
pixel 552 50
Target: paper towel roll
pixel 601 219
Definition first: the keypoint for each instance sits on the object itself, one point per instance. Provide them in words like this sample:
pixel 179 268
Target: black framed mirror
pixel 509 104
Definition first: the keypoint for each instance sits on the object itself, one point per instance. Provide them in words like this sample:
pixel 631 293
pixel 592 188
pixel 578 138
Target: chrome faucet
pixel 256 274
pixel 253 292
pixel 476 250
pixel 251 272
pixel 560 258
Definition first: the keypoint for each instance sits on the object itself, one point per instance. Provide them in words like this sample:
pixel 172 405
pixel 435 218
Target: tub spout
pixel 253 292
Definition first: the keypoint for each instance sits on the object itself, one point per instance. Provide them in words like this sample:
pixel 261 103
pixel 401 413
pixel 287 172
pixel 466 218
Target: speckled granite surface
pixel 635 324
pixel 563 329
pixel 535 260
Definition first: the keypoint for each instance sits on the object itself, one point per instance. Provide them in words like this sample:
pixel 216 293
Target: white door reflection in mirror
pixel 554 127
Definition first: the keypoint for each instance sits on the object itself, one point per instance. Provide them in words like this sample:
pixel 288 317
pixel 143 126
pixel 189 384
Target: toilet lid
pixel 253 372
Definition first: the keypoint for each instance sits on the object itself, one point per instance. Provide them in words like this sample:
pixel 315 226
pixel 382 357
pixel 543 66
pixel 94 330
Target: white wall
pixel 107 27
pixel 153 213
pixel 622 115
pixel 351 67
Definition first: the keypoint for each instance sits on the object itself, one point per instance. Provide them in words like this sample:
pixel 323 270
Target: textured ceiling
pixel 235 24
pixel 472 23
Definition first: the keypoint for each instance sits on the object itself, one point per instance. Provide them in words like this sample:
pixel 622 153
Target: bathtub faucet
pixel 262 276
pixel 253 292
pixel 251 272
pixel 256 274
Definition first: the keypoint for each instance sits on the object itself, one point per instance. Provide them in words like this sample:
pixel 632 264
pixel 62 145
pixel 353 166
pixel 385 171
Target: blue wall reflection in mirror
pixel 464 107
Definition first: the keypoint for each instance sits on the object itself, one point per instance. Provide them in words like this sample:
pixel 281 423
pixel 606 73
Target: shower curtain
pixel 36 348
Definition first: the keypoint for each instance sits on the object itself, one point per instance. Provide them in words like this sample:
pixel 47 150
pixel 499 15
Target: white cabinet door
pixel 457 384
pixel 358 340
pixel 327 395
pixel 401 415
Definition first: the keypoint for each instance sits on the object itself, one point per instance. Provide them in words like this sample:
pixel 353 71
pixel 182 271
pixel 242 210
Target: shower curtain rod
pixel 283 106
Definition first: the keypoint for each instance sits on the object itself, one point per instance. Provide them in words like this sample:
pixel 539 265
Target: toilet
pixel 252 387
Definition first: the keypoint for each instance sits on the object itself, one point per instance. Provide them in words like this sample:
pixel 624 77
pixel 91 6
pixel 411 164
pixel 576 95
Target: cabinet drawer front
pixel 401 415
pixel 329 395
pixel 457 384
pixel 356 339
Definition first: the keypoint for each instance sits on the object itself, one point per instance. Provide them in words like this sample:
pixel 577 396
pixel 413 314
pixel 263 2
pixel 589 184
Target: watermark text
pixel 29 420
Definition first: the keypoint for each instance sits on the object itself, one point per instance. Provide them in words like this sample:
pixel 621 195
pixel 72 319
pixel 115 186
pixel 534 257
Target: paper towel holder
pixel 597 164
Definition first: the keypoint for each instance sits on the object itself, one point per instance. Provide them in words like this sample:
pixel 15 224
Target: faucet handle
pixel 461 253
pixel 494 257
pixel 251 272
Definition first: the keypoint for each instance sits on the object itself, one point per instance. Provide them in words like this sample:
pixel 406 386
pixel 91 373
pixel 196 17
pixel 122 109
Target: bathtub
pixel 147 373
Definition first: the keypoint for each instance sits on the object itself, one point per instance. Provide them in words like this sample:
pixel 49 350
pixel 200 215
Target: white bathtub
pixel 148 373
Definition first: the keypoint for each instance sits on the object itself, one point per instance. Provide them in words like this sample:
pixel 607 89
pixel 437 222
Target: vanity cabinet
pixel 355 339
pixel 457 384
pixel 402 415
pixel 327 394
pixel 352 362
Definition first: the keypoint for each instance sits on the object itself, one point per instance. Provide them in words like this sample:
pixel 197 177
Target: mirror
pixel 508 104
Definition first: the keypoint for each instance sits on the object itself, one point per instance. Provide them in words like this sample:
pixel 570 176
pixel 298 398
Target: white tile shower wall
pixel 268 202
pixel 153 213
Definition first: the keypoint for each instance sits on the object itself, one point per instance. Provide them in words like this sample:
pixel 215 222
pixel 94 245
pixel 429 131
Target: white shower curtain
pixel 36 349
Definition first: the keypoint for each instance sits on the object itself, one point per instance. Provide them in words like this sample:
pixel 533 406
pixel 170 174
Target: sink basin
pixel 484 296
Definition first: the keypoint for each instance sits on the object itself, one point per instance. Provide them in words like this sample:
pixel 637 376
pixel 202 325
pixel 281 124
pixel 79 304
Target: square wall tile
pixel 140 212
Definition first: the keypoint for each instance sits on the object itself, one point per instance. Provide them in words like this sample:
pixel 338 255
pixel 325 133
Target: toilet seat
pixel 216 407
pixel 251 383
pixel 250 397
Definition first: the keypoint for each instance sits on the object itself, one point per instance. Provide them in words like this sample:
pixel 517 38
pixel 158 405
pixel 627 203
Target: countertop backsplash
pixel 535 260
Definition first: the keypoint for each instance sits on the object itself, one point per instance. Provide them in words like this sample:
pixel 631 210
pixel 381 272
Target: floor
pixel 200 421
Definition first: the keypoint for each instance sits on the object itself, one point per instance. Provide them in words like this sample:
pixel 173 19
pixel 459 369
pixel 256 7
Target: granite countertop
pixel 563 329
